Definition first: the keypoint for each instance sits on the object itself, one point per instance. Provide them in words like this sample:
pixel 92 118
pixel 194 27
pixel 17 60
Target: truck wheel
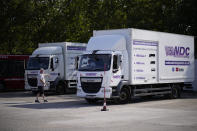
pixel 60 89
pixel 91 101
pixel 125 96
pixel 175 92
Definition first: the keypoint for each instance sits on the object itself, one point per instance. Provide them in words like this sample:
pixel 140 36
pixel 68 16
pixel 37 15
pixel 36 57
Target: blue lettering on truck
pixel 76 48
pixel 146 43
pixel 183 63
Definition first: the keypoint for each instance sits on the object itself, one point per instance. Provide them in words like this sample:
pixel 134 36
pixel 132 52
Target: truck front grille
pixel 32 82
pixel 91 87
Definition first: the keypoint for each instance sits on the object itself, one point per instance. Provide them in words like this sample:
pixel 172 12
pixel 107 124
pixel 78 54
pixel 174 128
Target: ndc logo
pixel 177 51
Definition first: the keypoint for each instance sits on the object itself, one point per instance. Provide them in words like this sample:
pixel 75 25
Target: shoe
pixel 45 101
pixel 37 101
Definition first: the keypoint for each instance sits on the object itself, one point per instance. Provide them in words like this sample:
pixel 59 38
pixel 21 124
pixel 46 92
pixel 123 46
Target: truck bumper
pixel 31 88
pixel 100 94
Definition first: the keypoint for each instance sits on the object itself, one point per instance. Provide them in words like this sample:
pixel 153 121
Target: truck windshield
pixel 35 63
pixel 95 62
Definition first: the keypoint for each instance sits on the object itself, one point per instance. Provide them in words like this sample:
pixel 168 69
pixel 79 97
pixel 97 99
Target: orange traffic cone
pixel 104 106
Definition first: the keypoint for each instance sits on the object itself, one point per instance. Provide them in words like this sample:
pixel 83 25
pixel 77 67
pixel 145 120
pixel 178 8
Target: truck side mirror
pixel 51 65
pixel 76 62
pixel 115 63
pixel 56 60
pixel 119 60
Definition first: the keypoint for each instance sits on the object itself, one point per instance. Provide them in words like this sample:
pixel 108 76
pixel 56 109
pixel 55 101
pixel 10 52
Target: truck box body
pixel 157 57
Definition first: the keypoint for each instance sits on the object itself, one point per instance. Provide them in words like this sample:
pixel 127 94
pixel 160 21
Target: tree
pixel 25 23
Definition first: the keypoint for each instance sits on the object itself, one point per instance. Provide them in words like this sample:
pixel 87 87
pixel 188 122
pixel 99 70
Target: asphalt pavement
pixel 19 112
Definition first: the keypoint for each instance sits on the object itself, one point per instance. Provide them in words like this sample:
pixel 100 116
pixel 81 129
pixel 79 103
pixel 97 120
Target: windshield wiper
pixel 99 69
pixel 85 69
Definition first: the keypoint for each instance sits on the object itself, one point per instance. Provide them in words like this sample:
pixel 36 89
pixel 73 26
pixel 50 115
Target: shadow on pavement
pixel 28 94
pixel 54 105
pixel 79 103
pixel 16 94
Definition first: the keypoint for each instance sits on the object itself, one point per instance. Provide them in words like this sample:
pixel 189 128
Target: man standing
pixel 41 83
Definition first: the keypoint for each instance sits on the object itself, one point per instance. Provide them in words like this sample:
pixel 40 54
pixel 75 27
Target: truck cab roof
pixel 107 42
pixel 48 50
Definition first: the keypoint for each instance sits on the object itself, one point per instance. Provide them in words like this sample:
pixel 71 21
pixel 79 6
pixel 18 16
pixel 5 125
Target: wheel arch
pixel 121 85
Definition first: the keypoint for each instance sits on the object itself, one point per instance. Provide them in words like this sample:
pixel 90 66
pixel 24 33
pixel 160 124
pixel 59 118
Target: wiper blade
pixel 99 69
pixel 85 69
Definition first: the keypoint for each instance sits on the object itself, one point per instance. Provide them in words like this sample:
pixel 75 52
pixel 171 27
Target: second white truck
pixel 58 61
pixel 127 63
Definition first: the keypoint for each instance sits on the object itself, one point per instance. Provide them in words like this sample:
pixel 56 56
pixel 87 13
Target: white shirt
pixel 39 78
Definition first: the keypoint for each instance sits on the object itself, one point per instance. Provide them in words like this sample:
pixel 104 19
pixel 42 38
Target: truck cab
pixel 100 67
pixel 49 59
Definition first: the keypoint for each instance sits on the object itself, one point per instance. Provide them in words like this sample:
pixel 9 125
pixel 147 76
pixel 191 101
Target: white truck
pixel 58 61
pixel 127 63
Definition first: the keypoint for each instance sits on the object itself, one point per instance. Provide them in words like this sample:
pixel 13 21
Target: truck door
pixel 116 70
pixel 55 68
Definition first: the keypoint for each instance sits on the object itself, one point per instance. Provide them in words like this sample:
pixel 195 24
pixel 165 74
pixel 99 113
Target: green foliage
pixel 25 23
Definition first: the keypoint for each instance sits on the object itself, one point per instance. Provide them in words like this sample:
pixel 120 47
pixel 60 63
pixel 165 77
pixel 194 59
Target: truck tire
pixel 124 96
pixel 175 92
pixel 91 101
pixel 60 88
